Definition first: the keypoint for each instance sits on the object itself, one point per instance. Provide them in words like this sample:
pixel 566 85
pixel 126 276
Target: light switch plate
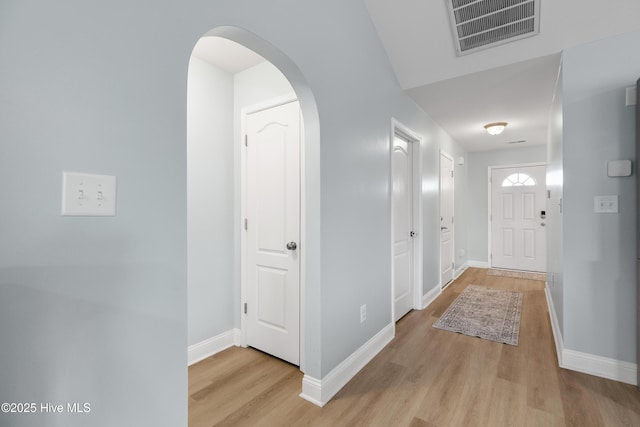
pixel 86 194
pixel 605 204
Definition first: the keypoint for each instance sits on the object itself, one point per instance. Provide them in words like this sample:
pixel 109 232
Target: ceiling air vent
pixel 481 24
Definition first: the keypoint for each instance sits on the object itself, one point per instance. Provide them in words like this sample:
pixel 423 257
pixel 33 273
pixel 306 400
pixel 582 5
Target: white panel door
pixel 446 219
pixel 273 231
pixel 402 192
pixel 518 238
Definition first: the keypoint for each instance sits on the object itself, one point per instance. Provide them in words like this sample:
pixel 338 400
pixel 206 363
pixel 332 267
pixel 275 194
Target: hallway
pixel 424 377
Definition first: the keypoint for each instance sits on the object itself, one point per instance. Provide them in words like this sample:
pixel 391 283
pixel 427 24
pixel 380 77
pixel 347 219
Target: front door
pixel 402 226
pixel 273 231
pixel 518 239
pixel 446 219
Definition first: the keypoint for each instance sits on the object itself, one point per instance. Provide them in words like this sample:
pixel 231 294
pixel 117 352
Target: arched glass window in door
pixel 518 180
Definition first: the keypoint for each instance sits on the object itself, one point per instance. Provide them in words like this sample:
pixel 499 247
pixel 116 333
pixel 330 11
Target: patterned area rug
pixel 517 274
pixel 491 314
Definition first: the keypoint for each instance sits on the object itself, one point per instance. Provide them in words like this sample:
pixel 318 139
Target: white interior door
pixel 273 231
pixel 518 203
pixel 403 233
pixel 446 219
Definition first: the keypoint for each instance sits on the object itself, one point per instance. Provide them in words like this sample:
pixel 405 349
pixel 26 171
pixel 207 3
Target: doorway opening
pixel 406 221
pixel 231 73
pixel 447 249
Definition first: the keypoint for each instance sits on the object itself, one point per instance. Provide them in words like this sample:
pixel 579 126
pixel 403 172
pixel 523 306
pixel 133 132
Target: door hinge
pixel 246 224
pixel 245 308
pixel 451 174
pixel 452 220
pixel 246 140
pixel 453 266
pixel 490 180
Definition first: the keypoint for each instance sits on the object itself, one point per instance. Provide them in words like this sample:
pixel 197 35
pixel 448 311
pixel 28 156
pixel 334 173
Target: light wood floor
pixel 424 377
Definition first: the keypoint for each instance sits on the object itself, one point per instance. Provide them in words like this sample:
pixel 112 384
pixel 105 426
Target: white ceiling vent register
pixel 481 24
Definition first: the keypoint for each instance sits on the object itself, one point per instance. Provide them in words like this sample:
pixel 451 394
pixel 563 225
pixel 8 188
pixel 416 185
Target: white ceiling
pixel 226 54
pixel 519 94
pixel 512 82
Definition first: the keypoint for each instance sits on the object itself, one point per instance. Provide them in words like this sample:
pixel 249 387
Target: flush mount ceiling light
pixel 495 128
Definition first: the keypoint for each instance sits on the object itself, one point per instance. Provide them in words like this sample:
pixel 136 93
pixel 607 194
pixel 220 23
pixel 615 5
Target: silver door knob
pixel 292 246
pixel 543 224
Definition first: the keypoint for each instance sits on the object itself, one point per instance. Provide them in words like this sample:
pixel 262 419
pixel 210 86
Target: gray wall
pixel 210 201
pixel 554 211
pixel 95 309
pixel 479 163
pixel 599 249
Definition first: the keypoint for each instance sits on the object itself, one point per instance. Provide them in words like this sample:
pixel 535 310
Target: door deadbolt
pixel 292 246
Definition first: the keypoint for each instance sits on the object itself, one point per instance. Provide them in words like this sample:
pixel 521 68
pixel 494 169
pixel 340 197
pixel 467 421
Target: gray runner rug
pixel 491 314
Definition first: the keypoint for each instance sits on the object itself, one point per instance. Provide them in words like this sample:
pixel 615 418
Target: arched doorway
pixel 216 210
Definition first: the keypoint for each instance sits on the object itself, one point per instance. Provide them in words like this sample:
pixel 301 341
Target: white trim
pixel 477 264
pixel 244 112
pixel 599 366
pixel 453 225
pixel 312 390
pixel 458 272
pixel 319 392
pixel 431 296
pixel 397 128
pixel 604 367
pixel 303 238
pixel 213 345
pixel 555 325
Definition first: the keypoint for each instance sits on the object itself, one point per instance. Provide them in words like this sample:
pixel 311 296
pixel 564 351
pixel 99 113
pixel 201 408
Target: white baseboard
pixel 312 390
pixel 604 367
pixel 430 297
pixel 478 264
pixel 319 392
pixel 599 366
pixel 555 326
pixel 213 345
pixel 460 270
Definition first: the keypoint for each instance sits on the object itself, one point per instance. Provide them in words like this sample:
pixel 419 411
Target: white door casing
pixel 272 200
pixel 402 214
pixel 446 219
pixel 518 237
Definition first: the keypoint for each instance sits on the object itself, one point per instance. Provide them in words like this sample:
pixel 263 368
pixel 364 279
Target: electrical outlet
pixel 363 313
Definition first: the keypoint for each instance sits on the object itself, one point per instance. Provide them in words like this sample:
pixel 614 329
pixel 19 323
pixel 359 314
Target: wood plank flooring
pixel 424 377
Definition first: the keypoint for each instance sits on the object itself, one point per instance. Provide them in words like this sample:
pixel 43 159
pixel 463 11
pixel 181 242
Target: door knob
pixel 443 228
pixel 292 246
pixel 543 224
